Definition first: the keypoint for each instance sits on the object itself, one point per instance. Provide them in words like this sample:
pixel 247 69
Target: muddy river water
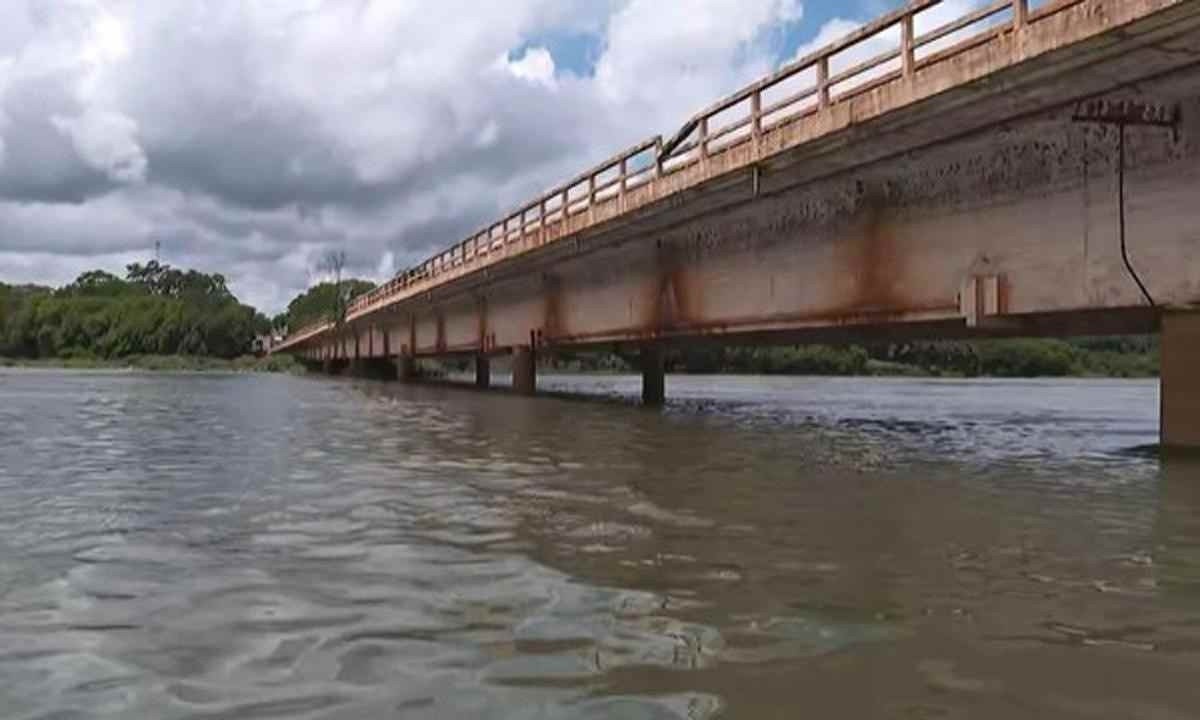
pixel 243 546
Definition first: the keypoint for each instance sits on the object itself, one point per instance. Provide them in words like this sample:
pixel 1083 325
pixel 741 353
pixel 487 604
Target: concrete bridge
pixel 1027 169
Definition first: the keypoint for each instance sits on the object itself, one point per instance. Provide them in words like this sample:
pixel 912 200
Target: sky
pixel 251 137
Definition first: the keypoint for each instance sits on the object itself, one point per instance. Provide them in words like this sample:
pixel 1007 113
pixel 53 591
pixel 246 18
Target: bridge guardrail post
pixel 823 82
pixel 907 55
pixel 591 194
pixel 756 122
pixel 1020 13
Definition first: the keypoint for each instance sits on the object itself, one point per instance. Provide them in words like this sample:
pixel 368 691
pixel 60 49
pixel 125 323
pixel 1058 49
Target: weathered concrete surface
pixel 1180 391
pixel 1025 215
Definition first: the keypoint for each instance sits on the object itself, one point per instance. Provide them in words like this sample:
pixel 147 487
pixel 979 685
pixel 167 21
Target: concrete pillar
pixel 334 365
pixel 483 371
pixel 524 370
pixel 1179 391
pixel 374 368
pixel 654 377
pixel 407 368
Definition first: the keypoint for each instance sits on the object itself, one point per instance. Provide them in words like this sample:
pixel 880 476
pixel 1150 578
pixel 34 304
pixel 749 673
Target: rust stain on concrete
pixel 481 311
pixel 553 326
pixel 668 301
pixel 869 259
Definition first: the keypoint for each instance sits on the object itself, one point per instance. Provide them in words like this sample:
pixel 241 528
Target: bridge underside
pixel 895 229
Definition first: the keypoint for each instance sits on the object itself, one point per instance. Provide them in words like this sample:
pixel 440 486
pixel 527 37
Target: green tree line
pixel 322 302
pixel 1121 356
pixel 154 310
pixel 1127 356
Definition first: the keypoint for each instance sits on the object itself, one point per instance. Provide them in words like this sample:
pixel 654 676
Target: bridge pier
pixel 333 366
pixel 373 368
pixel 483 371
pixel 1179 392
pixel 524 370
pixel 654 380
pixel 406 368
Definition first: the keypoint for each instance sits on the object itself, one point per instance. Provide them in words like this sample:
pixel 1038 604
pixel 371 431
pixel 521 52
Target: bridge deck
pixel 894 86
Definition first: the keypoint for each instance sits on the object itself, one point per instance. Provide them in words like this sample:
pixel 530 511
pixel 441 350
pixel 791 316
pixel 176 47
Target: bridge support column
pixel 483 371
pixel 373 368
pixel 406 368
pixel 1179 391
pixel 524 370
pixel 336 366
pixel 654 379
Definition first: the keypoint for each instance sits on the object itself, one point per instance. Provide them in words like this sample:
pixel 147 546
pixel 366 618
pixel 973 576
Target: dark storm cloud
pixel 40 163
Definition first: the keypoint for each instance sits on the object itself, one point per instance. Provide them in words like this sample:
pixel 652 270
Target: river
pixel 250 546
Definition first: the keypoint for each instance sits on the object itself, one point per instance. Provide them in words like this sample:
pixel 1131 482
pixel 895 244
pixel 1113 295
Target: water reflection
pixel 202 546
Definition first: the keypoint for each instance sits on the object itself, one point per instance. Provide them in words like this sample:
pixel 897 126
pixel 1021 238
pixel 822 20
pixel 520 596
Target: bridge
pixel 1026 169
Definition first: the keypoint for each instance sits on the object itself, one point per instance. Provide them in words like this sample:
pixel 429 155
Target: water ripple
pixel 231 546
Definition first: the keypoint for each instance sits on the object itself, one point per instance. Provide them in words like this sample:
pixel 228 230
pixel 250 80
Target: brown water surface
pixel 203 546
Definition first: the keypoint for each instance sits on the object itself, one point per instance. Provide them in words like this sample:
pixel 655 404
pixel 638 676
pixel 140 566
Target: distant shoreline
pixel 995 359
pixel 163 363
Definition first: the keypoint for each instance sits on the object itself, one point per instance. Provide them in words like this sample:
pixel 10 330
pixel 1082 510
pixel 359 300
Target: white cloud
pixel 249 138
pixel 925 21
pixel 106 141
pixel 5 69
pixel 535 66
pixel 677 57
pixel 387 266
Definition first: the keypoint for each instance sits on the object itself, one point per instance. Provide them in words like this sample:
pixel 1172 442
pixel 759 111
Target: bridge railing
pixel 631 168
pixel 892 47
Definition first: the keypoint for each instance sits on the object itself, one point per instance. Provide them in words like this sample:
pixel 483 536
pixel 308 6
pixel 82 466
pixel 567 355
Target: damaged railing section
pixel 893 47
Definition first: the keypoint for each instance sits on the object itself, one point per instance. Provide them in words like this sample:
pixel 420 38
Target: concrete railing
pixel 878 53
pixel 893 47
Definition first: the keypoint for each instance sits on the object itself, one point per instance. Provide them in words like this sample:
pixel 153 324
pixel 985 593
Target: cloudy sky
pixel 249 136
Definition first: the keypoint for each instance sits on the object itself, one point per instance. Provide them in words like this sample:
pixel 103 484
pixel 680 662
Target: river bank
pixel 1114 357
pixel 1119 357
pixel 1136 357
pixel 165 363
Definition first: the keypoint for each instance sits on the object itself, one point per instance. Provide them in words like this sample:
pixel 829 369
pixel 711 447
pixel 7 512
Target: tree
pixel 333 263
pixel 327 301
pixel 320 302
pixel 156 309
